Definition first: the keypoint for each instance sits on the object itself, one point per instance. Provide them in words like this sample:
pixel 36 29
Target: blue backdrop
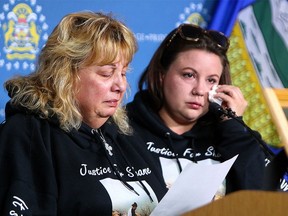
pixel 150 20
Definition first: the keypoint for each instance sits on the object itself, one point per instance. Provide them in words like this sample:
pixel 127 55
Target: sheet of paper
pixel 195 187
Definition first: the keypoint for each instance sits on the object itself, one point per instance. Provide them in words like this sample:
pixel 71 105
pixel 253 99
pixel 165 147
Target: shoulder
pixel 231 126
pixel 141 98
pixel 22 123
pixel 16 124
pixel 23 131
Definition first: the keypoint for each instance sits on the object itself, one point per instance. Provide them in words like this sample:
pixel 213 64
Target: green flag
pixel 258 56
pixel 265 28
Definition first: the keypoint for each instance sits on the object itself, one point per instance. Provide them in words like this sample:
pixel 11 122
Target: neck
pixel 95 123
pixel 178 127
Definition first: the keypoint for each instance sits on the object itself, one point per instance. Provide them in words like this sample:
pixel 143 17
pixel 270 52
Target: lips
pixel 112 103
pixel 194 105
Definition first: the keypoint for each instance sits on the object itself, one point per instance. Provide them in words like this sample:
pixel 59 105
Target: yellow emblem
pixel 21 37
pixel 196 19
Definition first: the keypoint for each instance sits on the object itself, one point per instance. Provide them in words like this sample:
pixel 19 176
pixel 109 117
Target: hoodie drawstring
pixel 143 186
pixel 109 154
pixel 194 150
pixel 168 135
pixel 176 155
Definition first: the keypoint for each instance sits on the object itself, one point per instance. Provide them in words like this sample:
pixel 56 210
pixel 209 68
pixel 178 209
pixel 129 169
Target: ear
pixel 161 77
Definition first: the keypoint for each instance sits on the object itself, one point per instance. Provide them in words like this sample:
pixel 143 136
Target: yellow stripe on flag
pixel 257 116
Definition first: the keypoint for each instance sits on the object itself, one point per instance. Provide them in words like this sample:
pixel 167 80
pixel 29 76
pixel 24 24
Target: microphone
pixel 276 165
pixel 220 112
pixel 216 109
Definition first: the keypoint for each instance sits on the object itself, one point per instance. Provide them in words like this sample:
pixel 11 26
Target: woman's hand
pixel 232 98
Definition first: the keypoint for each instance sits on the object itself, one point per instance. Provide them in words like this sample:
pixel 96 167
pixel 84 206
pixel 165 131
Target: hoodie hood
pixel 11 110
pixel 140 110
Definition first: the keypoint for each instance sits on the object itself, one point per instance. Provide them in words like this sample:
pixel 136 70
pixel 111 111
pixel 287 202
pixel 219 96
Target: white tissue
pixel 211 97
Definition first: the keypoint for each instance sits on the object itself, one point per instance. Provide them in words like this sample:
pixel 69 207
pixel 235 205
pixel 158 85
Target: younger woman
pixel 171 110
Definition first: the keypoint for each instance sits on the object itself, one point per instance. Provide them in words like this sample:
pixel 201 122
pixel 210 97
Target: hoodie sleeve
pixel 248 170
pixel 27 185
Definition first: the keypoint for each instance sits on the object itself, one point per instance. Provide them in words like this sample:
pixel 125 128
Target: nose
pixel 120 83
pixel 199 89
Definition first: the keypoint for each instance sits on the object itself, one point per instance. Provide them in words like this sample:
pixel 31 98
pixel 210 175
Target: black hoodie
pixel 46 171
pixel 209 141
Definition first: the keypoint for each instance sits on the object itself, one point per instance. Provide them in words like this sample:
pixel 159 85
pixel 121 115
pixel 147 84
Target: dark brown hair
pixel 166 55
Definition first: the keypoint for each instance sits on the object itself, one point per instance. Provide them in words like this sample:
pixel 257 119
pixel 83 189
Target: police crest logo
pixel 21 37
pixel 23 26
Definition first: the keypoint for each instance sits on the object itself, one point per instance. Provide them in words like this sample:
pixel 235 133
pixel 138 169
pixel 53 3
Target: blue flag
pixel 225 14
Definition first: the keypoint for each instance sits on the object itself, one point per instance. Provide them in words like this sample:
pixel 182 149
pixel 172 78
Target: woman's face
pixel 101 89
pixel 186 85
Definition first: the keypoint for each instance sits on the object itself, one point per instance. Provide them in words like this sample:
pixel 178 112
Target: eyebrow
pixel 214 75
pixel 109 65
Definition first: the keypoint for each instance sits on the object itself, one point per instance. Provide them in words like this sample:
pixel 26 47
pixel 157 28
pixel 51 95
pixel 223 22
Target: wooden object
pixel 277 100
pixel 246 203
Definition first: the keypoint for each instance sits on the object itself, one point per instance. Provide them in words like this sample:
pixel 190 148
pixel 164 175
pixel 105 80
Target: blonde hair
pixel 79 40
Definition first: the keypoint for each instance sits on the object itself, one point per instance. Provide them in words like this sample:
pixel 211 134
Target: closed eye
pixel 106 73
pixel 125 71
